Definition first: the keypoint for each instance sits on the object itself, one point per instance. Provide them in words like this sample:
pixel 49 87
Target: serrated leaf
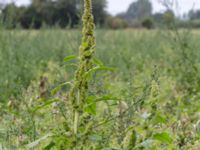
pixel 163 137
pixel 71 57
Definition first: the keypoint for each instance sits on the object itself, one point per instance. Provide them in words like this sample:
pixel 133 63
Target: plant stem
pixel 79 91
pixel 76 118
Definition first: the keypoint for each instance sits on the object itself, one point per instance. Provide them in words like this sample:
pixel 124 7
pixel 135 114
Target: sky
pixel 181 6
pixel 117 6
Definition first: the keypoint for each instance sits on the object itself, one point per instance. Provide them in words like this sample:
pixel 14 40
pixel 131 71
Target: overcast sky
pixel 116 6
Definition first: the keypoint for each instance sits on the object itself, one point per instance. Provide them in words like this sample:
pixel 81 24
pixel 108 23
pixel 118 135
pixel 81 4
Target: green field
pixel 155 83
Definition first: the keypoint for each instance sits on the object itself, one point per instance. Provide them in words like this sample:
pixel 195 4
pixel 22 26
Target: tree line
pixel 66 13
pixel 50 12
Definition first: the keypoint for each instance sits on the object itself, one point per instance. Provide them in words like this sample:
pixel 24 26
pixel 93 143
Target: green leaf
pixel 107 98
pixel 48 102
pixel 49 146
pixel 91 105
pixel 163 137
pixel 197 136
pixel 98 68
pixel 10 111
pixel 58 88
pixel 69 58
pixel 35 143
pixel 92 100
pixel 97 62
pixel 159 119
pixel 132 141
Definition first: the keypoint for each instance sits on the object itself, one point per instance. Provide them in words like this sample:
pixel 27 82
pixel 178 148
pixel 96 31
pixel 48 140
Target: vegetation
pixel 159 104
pixel 67 14
pixel 64 13
pixel 139 10
pixel 146 99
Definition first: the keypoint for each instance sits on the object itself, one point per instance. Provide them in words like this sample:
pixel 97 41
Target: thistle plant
pixel 78 93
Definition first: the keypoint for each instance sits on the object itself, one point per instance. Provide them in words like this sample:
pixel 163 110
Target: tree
pixel 157 17
pixel 10 15
pixel 67 12
pixel 169 18
pixel 147 23
pixel 51 12
pixel 63 12
pixel 139 10
pixel 99 11
pixel 194 15
pixel 30 18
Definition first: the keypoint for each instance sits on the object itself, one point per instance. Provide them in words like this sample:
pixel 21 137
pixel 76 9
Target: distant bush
pixel 188 23
pixel 134 23
pixel 147 23
pixel 168 19
pixel 116 23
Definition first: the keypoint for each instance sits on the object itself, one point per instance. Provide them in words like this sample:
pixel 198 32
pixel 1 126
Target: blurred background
pixel 113 14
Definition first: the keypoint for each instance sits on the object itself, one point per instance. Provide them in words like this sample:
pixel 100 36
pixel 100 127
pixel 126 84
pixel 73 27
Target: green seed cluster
pixel 86 51
pixel 79 91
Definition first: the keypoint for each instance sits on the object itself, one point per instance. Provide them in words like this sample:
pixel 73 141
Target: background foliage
pixel 66 13
pixel 155 86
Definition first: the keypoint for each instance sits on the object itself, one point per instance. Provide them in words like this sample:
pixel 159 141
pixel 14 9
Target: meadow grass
pixel 149 74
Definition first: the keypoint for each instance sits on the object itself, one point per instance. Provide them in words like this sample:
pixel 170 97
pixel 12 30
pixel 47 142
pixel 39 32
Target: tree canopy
pixel 139 9
pixel 50 12
pixel 193 15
